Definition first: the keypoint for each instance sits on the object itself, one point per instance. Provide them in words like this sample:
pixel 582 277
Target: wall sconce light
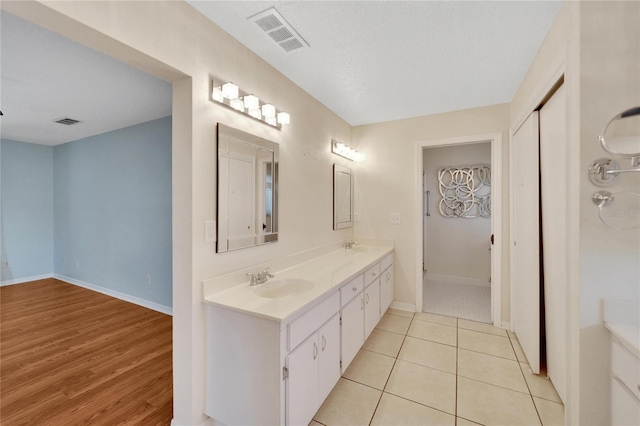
pixel 343 150
pixel 230 95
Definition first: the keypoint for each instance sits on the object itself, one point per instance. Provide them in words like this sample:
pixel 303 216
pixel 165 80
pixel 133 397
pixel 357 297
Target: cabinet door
pixel 372 307
pixel 352 329
pixel 302 384
pixel 386 290
pixel 329 343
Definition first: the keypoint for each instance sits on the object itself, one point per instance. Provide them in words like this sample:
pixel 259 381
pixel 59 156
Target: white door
pixel 302 384
pixel 386 289
pixel 425 210
pixel 352 329
pixel 525 232
pixel 553 189
pixel 329 343
pixel 372 307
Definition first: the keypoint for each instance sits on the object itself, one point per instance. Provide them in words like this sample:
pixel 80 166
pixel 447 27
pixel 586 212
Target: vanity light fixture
pixel 343 150
pixel 230 95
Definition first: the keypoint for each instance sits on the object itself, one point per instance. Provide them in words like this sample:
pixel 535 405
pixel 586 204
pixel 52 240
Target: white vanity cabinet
pixel 313 370
pixel 278 370
pixel 386 283
pixel 371 299
pixel 352 314
pixel 625 386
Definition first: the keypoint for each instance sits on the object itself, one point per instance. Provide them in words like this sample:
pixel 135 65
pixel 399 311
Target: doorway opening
pixel 459 189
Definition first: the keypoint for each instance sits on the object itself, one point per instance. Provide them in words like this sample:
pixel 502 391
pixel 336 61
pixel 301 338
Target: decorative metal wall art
pixel 465 191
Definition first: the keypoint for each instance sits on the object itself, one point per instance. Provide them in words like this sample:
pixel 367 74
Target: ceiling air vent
pixel 274 24
pixel 66 121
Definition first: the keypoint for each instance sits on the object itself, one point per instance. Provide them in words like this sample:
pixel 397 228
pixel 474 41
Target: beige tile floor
pixel 425 369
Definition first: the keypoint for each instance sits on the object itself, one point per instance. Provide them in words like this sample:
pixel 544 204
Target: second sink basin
pixel 283 287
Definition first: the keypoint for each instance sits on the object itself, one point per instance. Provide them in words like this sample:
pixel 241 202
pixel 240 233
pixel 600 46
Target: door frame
pixel 496 214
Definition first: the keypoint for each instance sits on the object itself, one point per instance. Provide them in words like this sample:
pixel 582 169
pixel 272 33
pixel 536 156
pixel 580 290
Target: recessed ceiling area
pixel 375 61
pixel 46 77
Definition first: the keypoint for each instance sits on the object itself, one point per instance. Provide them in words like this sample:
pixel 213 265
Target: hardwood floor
pixel 72 356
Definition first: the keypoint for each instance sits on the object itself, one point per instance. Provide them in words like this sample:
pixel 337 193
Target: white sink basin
pixel 283 287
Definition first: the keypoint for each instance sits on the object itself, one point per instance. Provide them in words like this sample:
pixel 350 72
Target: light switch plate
pixel 209 231
pixel 395 218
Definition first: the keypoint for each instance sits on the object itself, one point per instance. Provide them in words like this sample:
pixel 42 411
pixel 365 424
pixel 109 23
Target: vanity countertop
pixel 327 273
pixel 622 319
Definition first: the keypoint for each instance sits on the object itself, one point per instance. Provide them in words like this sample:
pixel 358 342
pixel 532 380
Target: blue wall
pixel 112 210
pixel 26 175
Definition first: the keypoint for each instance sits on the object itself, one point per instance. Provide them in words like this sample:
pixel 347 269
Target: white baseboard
pixel 118 295
pixel 409 307
pixel 458 280
pixel 25 279
pixel 206 422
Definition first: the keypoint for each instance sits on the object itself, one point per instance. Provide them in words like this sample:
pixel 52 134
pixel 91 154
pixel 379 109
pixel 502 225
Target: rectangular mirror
pixel 247 190
pixel 342 197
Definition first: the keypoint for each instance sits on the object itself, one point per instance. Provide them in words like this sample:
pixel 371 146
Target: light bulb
pixel 255 113
pixel 251 102
pixel 237 104
pixel 271 120
pixel 284 118
pixel 268 110
pixel 230 91
pixel 216 94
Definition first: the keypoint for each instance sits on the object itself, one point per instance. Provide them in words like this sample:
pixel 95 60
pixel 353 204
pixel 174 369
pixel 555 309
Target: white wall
pixel 173 41
pixel 386 179
pixel 456 247
pixel 609 260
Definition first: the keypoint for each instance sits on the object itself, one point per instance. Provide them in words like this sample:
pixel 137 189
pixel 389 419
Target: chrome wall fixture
pixel 343 150
pixel 230 95
pixel 465 191
pixel 620 138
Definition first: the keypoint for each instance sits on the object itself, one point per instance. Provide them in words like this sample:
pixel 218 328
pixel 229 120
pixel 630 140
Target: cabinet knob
pixel 373 274
pixel 355 288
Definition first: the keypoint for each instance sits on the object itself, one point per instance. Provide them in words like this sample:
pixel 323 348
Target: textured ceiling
pixel 374 61
pixel 44 77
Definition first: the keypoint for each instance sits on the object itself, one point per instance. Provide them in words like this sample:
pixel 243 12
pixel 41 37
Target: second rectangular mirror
pixel 342 197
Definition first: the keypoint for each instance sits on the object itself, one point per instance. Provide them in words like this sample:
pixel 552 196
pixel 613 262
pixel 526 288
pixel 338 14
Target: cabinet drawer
pixel 625 409
pixel 386 262
pixel 302 327
pixel 350 289
pixel 371 274
pixel 626 367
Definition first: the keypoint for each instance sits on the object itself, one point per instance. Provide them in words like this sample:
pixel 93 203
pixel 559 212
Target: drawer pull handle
pixel 324 343
pixel 367 298
pixel 315 351
pixel 355 288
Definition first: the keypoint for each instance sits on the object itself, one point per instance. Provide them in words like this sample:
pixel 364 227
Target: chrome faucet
pixel 349 244
pixel 260 277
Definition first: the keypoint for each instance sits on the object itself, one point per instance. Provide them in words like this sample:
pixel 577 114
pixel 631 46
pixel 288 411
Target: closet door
pixel 525 235
pixel 553 154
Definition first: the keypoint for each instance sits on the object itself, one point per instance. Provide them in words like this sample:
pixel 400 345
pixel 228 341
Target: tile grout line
pixel 391 371
pixel 535 407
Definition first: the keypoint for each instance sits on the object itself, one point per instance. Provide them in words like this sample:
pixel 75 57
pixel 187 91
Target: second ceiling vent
pixel 274 24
